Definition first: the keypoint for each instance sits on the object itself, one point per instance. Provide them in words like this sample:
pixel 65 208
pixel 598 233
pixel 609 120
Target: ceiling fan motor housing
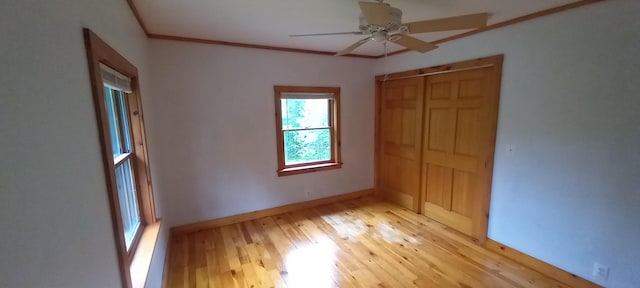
pixel 394 21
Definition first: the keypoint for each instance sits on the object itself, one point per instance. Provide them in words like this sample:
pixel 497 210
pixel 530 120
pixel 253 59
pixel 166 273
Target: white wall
pixel 214 121
pixel 569 194
pixel 54 213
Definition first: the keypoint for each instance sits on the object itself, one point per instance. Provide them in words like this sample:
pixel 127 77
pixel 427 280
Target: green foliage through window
pixel 307 131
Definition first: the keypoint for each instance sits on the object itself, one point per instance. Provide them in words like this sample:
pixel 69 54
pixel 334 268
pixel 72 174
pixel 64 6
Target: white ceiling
pixel 269 22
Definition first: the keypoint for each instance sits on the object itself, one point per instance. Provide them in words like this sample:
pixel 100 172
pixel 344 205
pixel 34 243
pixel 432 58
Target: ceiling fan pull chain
pixel 386 76
pixel 385 49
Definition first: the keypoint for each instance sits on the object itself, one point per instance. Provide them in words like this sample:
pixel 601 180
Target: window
pixel 123 162
pixel 308 134
pixel 118 106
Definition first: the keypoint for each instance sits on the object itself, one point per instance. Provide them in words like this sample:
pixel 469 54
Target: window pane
pixel 303 146
pixel 128 201
pixel 113 122
pixel 124 120
pixel 305 113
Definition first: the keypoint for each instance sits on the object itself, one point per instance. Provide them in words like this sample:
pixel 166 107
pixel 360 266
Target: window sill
pixel 141 262
pixel 308 169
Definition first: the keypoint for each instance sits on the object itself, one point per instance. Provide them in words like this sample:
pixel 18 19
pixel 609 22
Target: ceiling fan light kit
pixel 379 36
pixel 384 23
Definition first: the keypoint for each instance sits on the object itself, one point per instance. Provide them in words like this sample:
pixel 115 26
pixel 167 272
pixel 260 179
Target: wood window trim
pixel 335 161
pixel 99 52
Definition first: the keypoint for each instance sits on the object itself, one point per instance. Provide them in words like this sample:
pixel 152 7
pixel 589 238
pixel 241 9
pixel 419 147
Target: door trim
pixel 477 63
pixel 480 219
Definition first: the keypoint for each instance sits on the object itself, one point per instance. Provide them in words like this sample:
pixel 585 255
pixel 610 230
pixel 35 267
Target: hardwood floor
pixel 357 243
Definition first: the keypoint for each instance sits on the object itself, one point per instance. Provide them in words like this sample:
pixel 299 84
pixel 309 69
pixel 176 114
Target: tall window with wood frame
pixel 118 106
pixel 308 134
pixel 116 89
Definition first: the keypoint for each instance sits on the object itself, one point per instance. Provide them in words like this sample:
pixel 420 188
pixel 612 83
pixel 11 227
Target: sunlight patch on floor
pixel 311 266
pixel 390 234
pixel 347 228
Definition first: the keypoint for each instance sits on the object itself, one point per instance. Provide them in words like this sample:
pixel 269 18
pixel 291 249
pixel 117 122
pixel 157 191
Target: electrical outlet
pixel 600 272
pixel 510 149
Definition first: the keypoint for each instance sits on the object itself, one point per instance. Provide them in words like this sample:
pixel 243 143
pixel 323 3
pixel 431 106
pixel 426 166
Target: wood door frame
pixel 480 218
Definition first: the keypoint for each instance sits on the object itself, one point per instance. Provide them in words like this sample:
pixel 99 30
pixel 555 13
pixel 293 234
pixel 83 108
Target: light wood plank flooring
pixel 359 243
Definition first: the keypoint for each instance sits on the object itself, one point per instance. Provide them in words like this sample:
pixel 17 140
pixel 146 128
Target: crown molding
pixel 137 15
pixel 506 23
pixel 297 50
pixel 245 45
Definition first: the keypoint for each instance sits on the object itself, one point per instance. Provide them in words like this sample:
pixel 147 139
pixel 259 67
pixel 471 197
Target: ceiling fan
pixel 381 23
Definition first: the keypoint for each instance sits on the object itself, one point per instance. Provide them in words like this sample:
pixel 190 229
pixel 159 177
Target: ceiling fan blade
pixel 375 13
pixel 413 43
pixel 451 23
pixel 353 47
pixel 325 34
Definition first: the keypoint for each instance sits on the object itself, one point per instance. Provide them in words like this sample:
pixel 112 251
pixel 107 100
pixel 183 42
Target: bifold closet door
pixel 459 134
pixel 401 106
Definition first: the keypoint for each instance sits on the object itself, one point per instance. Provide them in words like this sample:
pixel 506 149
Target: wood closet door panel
pixel 458 140
pixel 400 141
